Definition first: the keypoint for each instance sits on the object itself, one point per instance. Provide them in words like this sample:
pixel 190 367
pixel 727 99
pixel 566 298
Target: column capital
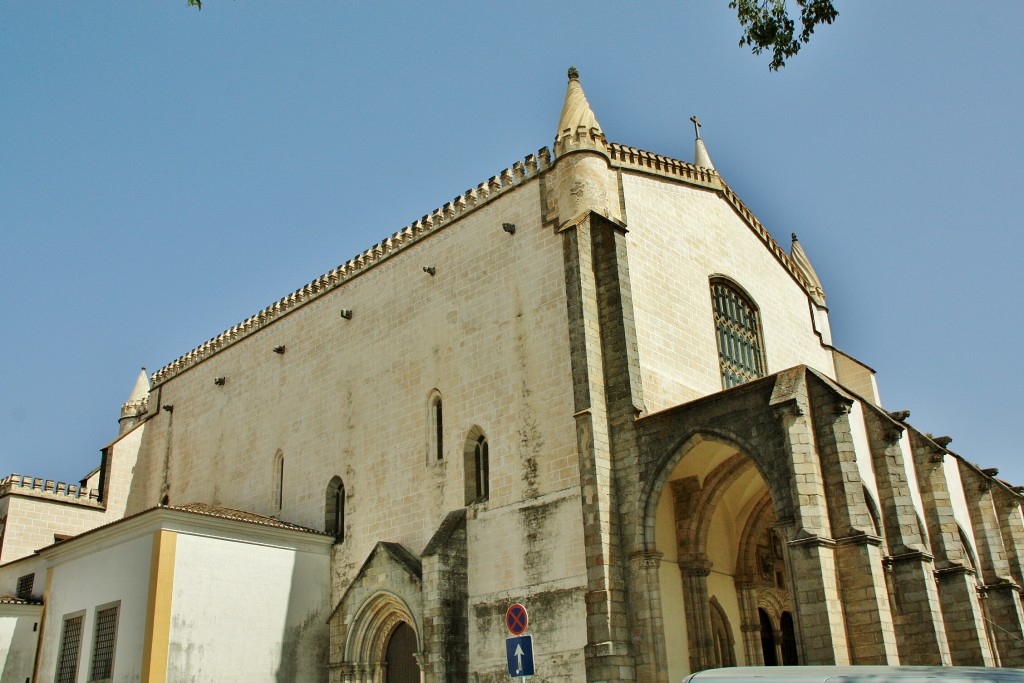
pixel 695 567
pixel 646 559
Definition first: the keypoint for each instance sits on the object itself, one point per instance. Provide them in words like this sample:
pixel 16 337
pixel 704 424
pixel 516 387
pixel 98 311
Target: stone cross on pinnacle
pixel 696 126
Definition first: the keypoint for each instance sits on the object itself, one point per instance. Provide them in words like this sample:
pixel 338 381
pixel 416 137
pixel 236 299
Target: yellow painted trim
pixel 42 623
pixel 158 609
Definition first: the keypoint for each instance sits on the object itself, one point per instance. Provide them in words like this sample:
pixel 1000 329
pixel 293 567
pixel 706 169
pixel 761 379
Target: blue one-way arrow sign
pixel 519 651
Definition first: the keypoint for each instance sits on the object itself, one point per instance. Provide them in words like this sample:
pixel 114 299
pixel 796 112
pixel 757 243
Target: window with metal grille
pixel 70 645
pixel 25 585
pixel 738 333
pixel 103 643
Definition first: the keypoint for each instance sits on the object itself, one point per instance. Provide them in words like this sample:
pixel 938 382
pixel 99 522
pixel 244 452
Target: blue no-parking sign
pixel 519 652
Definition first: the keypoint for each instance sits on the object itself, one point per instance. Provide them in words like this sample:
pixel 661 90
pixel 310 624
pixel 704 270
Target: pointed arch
pixel 372 627
pixel 724 642
pixel 277 481
pixel 334 509
pixel 435 427
pixel 477 466
pixel 773 470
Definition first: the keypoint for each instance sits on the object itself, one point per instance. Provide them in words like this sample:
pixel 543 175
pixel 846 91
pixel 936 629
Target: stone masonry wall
pixel 350 398
pixel 679 237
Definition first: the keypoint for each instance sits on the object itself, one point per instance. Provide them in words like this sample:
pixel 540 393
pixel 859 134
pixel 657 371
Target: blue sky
pixel 165 173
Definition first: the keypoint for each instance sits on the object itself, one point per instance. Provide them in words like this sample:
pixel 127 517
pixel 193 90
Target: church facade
pixel 594 385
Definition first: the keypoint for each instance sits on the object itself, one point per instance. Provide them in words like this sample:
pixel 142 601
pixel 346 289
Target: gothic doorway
pixel 399 660
pixel 789 657
pixel 767 639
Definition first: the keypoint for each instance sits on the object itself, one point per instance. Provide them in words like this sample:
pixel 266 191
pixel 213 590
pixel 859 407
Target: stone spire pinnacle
pixel 137 404
pixel 700 152
pixel 577 126
pixel 141 388
pixel 803 264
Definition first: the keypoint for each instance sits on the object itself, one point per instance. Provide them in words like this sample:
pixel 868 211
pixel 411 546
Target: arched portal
pixel 381 643
pixel 723 560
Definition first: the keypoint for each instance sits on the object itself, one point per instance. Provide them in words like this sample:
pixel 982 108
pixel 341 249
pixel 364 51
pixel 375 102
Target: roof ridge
pixel 527 168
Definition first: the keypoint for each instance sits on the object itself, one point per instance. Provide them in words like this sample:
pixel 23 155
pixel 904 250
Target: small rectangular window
pixel 25 585
pixel 70 646
pixel 103 643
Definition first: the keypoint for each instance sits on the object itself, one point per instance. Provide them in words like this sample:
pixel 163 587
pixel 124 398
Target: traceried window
pixel 738 333
pixel 483 466
pixel 70 646
pixel 477 459
pixel 103 644
pixel 334 509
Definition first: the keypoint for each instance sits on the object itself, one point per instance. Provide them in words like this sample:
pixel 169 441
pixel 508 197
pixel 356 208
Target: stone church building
pixel 594 384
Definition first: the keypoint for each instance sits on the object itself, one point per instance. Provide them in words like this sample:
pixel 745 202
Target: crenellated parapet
pixel 648 162
pixel 580 138
pixel 136 408
pixel 522 171
pixel 23 484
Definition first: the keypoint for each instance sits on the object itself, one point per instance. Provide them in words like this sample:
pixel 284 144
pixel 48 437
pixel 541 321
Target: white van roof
pixel 859 674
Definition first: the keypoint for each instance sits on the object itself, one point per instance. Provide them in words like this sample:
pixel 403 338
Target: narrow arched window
pixel 334 509
pixel 738 334
pixel 277 477
pixel 435 421
pixel 476 456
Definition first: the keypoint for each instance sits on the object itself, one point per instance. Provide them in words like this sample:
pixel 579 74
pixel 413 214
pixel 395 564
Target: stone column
pixel 913 594
pixel 647 614
pixel 1002 593
pixel 750 625
pixel 958 597
pixel 858 551
pixel 698 613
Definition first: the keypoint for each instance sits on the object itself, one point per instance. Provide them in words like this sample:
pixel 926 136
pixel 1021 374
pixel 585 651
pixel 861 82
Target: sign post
pixel 519 655
pixel 518 648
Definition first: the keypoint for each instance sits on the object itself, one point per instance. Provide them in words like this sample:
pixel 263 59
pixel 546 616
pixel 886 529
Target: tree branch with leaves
pixel 768 25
